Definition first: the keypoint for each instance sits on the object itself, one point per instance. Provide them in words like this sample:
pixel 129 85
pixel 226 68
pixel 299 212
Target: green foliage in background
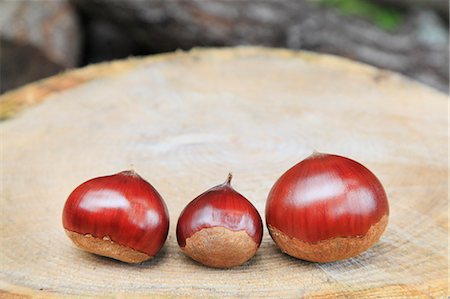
pixel 383 16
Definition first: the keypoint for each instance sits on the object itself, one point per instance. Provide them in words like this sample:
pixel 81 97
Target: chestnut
pixel 326 208
pixel 220 228
pixel 119 216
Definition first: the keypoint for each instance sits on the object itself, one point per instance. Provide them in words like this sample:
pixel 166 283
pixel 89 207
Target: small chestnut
pixel 326 208
pixel 119 216
pixel 220 228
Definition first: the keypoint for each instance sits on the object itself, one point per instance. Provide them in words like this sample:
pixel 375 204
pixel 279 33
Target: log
pixel 184 120
pixel 37 39
pixel 418 48
pixel 439 5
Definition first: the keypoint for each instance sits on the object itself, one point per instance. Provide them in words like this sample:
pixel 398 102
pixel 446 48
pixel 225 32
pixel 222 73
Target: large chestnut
pixel 119 216
pixel 220 228
pixel 326 208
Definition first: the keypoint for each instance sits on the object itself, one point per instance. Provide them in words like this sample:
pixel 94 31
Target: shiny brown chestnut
pixel 119 216
pixel 326 208
pixel 220 228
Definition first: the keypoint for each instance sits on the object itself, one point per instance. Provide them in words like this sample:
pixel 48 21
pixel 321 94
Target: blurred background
pixel 43 37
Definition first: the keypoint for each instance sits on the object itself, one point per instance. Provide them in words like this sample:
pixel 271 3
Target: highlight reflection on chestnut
pixel 220 228
pixel 326 208
pixel 120 216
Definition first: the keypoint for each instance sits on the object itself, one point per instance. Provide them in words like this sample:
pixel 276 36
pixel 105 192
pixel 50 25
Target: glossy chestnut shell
pixel 220 228
pixel 120 216
pixel 326 208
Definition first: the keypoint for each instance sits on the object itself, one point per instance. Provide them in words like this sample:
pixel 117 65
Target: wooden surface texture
pixel 183 121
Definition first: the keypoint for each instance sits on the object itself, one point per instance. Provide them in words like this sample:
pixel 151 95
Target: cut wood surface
pixel 183 121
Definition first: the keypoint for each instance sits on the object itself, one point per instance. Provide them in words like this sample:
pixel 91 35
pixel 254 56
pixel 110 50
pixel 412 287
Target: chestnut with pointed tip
pixel 119 216
pixel 220 228
pixel 326 208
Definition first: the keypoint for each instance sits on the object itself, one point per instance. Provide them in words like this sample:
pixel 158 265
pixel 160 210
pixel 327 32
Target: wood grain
pixel 184 120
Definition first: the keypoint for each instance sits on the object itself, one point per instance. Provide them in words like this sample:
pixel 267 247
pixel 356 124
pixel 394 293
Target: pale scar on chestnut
pixel 107 247
pixel 220 247
pixel 329 250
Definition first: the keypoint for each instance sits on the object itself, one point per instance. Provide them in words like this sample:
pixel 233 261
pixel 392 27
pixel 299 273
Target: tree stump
pixel 183 121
